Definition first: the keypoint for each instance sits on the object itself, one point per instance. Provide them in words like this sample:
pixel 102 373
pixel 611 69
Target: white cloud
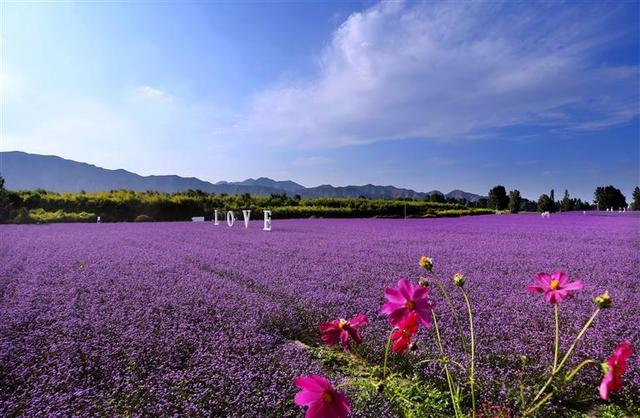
pixel 445 70
pixel 148 93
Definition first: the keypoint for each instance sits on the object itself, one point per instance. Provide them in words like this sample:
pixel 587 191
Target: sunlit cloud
pixel 441 71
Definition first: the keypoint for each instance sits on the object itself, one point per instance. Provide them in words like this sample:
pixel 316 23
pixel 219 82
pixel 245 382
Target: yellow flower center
pixel 410 305
pixel 327 396
pixel 554 284
pixel 342 323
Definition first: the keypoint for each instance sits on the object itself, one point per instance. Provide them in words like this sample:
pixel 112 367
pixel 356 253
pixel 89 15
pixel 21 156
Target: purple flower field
pixel 202 320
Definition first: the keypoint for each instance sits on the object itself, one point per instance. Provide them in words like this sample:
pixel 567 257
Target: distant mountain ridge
pixel 23 171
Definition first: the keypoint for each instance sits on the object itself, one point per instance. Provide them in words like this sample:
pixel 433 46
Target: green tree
pixel 437 197
pixel 567 203
pixel 4 215
pixel 514 201
pixel 528 205
pixel 545 204
pixel 636 199
pixel 498 198
pixel 609 197
pixel 7 203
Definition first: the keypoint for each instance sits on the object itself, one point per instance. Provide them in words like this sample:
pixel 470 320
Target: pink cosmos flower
pixel 555 287
pixel 407 298
pixel 614 367
pixel 321 398
pixel 342 330
pixel 407 328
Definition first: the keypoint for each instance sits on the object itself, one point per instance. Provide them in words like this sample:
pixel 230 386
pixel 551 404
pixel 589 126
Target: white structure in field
pixel 197 219
pixel 246 214
pixel 98 219
pixel 267 220
pixel 231 218
pixel 545 214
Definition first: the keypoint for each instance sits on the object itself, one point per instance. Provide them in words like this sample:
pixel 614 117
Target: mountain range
pixel 23 171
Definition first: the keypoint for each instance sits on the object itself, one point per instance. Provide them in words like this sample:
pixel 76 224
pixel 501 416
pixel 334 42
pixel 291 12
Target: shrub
pixel 42 216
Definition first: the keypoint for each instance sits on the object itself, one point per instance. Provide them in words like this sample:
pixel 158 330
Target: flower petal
pixel 314 383
pixel 544 279
pixel 420 292
pixel 405 288
pixel 359 320
pixel 397 316
pixel 344 340
pixel 535 288
pixel 577 285
pixel 560 276
pixel 393 295
pixel 624 350
pixel 306 397
pixel 604 387
pixel 390 307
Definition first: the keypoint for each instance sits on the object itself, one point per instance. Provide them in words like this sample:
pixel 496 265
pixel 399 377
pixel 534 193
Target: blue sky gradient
pixel 436 95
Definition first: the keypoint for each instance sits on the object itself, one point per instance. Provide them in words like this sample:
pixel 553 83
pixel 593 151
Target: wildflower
pixel 401 336
pixel 343 330
pixel 458 279
pixel 555 287
pixel 321 398
pixel 406 298
pixel 603 301
pixel 613 368
pixel 426 263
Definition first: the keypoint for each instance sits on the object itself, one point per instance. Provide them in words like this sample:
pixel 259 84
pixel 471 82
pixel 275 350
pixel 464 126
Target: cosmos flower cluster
pixel 408 308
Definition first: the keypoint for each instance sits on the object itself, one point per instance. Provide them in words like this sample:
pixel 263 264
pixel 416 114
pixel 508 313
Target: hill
pixel 24 171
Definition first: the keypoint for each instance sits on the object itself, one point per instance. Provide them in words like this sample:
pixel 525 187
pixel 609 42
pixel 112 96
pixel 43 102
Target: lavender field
pixel 203 320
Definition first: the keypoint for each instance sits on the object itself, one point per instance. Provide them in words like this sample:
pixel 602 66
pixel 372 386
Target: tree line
pixel 40 206
pixel 604 198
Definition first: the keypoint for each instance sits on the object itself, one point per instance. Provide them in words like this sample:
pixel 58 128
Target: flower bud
pixel 423 281
pixel 603 301
pixel 426 263
pixel 458 279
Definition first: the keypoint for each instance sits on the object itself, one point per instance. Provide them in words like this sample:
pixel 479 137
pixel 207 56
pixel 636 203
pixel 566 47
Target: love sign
pixel 246 214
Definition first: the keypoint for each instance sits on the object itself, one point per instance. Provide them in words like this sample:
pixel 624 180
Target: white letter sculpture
pixel 231 218
pixel 267 220
pixel 247 215
pixel 215 217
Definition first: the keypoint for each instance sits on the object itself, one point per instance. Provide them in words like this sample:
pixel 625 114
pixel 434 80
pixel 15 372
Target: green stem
pixel 538 405
pixel 456 320
pixel 521 394
pixel 564 360
pixel 555 346
pixel 575 342
pixel 473 355
pixel 450 381
pixel 386 355
pixel 575 371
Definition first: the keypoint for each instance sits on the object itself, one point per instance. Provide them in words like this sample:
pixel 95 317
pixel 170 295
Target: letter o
pixel 231 218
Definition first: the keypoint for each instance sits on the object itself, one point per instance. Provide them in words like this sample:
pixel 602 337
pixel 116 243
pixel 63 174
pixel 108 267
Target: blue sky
pixel 436 95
